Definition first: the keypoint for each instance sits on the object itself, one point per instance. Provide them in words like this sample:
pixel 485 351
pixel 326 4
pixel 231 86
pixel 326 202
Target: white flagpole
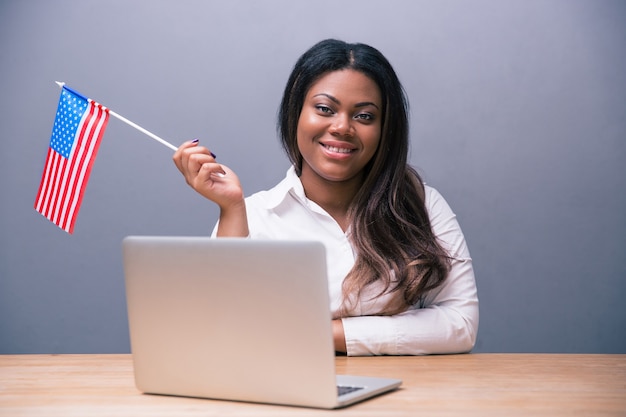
pixel 136 126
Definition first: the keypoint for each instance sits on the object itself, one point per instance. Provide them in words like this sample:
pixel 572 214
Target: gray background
pixel 518 118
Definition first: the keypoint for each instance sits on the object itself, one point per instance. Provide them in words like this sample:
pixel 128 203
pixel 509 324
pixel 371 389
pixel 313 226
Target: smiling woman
pixel 338 134
pixel 400 275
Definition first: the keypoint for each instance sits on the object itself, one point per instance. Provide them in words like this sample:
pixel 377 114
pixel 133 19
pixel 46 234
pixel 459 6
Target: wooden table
pixel 456 385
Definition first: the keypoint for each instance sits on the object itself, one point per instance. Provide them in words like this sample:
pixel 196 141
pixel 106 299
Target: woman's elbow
pixel 467 332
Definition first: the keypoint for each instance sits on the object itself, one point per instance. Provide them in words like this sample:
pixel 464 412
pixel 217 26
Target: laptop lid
pixel 233 319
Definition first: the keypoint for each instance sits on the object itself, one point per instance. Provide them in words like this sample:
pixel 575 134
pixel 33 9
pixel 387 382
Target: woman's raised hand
pixel 214 181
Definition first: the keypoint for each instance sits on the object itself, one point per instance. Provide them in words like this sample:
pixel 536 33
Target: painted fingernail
pixel 195 141
pixel 213 155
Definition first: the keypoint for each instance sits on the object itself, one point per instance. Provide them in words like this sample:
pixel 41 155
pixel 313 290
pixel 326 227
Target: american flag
pixel 78 128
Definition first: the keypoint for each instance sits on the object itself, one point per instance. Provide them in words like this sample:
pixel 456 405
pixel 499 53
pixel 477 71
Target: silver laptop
pixel 236 319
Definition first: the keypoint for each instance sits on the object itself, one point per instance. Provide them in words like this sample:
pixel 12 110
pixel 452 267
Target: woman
pixel 400 274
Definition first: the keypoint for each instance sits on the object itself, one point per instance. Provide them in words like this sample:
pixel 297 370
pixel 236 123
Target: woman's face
pixel 339 127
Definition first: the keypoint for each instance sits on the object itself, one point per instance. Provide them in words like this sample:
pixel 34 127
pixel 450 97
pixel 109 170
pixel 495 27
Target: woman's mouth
pixel 336 149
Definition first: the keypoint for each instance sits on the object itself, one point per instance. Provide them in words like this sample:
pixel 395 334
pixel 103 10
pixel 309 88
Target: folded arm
pixel 445 321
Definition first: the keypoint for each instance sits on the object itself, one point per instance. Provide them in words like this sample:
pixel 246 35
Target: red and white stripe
pixel 64 180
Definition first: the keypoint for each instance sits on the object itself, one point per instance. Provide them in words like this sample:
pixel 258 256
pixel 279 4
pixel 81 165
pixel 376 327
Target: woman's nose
pixel 342 126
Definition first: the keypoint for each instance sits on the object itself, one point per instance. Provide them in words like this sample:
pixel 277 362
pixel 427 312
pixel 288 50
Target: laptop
pixel 236 319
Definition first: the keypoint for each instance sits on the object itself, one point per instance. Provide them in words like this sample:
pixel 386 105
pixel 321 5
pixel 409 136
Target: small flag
pixel 78 128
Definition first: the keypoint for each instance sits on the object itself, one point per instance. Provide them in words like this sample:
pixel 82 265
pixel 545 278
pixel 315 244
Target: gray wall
pixel 518 118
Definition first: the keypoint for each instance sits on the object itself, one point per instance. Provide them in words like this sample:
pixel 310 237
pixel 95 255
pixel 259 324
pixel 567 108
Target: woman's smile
pixel 343 149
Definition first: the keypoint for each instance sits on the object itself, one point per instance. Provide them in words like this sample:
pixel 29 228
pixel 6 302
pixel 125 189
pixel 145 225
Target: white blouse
pixel 445 321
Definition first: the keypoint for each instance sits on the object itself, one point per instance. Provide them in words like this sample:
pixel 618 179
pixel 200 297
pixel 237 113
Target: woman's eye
pixel 364 116
pixel 324 109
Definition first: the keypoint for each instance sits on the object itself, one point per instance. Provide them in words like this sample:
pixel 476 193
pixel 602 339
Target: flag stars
pixel 69 114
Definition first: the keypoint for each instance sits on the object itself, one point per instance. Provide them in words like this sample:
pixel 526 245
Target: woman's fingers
pixel 210 171
pixel 190 157
pixel 180 152
pixel 209 178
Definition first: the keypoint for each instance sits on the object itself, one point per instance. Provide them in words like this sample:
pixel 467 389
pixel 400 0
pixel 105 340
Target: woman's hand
pixel 339 337
pixel 216 182
pixel 210 179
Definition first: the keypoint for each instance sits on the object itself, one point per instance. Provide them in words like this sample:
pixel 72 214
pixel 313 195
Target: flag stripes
pixel 70 158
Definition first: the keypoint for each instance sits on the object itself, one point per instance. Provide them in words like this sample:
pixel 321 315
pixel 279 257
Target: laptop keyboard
pixel 343 390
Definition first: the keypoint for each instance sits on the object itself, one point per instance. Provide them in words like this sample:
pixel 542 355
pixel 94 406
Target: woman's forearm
pixel 233 221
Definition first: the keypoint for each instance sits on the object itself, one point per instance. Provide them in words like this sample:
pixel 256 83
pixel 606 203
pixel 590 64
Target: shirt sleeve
pixel 447 319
